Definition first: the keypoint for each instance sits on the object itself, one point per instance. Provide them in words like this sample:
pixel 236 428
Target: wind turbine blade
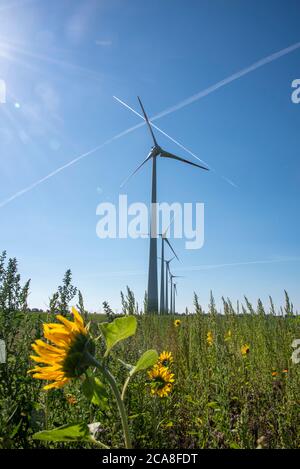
pixel 153 126
pixel 148 123
pixel 166 154
pixel 169 244
pixel 164 234
pixel 137 169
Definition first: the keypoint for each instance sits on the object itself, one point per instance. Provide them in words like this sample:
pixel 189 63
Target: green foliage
pixel 17 393
pixel 147 360
pixel 129 305
pixel 221 399
pixel 118 330
pixel 95 392
pixel 107 310
pixel 79 432
pixel 60 300
pixel 80 306
pixel 289 307
pixel 198 309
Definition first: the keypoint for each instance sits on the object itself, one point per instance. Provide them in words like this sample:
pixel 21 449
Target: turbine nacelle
pixel 156 150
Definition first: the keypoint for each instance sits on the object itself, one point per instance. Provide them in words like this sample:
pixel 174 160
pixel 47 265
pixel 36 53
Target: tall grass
pixel 221 399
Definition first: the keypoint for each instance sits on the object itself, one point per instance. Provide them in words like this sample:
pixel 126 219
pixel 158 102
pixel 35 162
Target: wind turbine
pixel 167 283
pixel 163 300
pixel 172 291
pixel 175 294
pixel 155 151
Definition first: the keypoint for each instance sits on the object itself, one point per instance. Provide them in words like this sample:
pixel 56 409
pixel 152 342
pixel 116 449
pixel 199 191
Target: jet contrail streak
pixel 175 141
pixel 235 264
pixel 226 81
pixel 159 130
pixel 70 163
pixel 178 106
pixel 195 268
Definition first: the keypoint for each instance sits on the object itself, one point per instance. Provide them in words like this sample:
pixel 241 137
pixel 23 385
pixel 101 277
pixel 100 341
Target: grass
pixel 221 399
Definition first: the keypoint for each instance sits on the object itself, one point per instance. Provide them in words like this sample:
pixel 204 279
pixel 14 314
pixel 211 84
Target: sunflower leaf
pixel 118 330
pixel 147 360
pixel 79 432
pixel 95 392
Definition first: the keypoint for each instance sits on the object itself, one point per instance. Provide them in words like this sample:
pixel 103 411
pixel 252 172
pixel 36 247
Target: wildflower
pixel 285 371
pixel 209 338
pixel 71 399
pixel 245 349
pixel 261 442
pixel 68 355
pixel 160 380
pixel 274 373
pixel 227 335
pixel 165 359
pixel 177 322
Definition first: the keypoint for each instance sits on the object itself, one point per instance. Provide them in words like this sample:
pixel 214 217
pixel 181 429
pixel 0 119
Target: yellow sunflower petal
pixel 78 318
pixel 56 384
pixel 71 326
pixel 47 361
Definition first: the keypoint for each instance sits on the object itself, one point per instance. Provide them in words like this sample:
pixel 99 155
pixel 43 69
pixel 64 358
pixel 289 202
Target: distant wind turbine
pixel 164 239
pixel 168 273
pixel 172 291
pixel 156 151
pixel 175 294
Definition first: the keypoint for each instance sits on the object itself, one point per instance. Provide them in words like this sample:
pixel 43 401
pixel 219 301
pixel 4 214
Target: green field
pixel 221 398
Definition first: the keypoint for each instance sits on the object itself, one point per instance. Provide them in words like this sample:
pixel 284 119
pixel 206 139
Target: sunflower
pixel 245 349
pixel 209 338
pixel 165 359
pixel 160 380
pixel 177 322
pixel 68 354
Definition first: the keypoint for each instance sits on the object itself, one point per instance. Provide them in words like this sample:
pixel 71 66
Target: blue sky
pixel 63 61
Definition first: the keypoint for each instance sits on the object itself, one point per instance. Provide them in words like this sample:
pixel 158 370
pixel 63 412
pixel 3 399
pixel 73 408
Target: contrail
pixel 61 168
pixel 175 141
pixel 159 130
pixel 226 81
pixel 236 264
pixel 195 268
pixel 186 102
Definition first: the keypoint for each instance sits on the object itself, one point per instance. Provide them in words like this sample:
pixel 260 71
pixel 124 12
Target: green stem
pixel 122 411
pixel 125 387
pixel 98 443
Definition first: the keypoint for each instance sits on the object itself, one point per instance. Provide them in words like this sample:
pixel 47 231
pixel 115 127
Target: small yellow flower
pixel 165 359
pixel 209 338
pixel 285 371
pixel 68 353
pixel 227 335
pixel 161 381
pixel 177 322
pixel 245 349
pixel 274 373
